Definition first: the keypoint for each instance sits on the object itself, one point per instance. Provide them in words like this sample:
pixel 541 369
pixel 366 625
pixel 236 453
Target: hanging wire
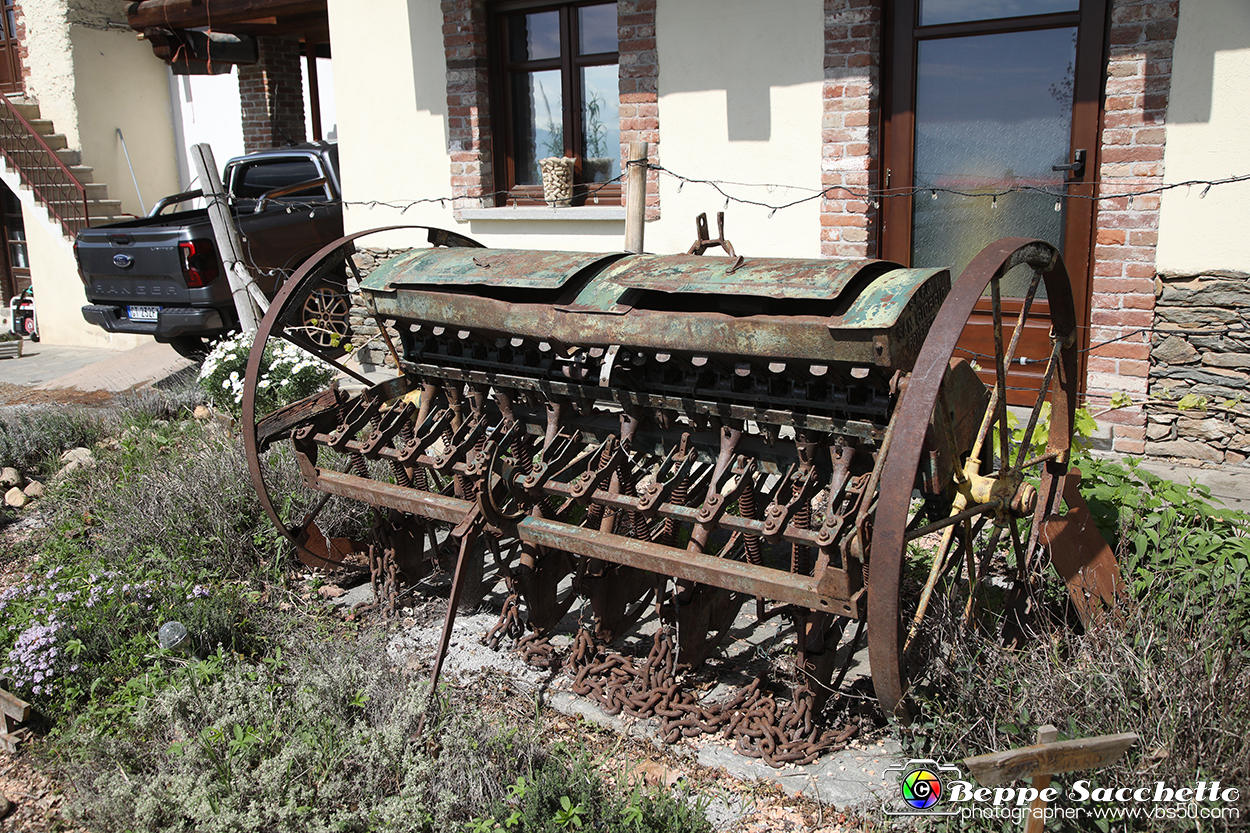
pixel 873 196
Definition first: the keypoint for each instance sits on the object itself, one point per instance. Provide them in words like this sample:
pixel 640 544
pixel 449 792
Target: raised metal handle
pixel 1076 166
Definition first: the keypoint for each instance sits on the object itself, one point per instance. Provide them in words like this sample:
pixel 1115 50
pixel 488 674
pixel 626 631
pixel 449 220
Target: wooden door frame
pixel 897 131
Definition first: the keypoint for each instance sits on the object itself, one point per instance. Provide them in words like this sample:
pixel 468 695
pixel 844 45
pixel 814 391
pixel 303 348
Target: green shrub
pixel 1173 665
pixel 1178 552
pixel 325 738
pixel 76 633
pixel 570 794
pixel 33 436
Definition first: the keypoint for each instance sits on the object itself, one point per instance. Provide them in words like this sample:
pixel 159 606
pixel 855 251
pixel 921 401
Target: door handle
pixel 1076 166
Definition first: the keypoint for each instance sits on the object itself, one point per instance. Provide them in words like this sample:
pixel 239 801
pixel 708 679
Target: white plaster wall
pixel 51 64
pixel 119 83
pixel 1208 120
pixel 329 106
pixel 59 294
pixel 390 89
pixel 721 117
pixel 740 101
pixel 206 111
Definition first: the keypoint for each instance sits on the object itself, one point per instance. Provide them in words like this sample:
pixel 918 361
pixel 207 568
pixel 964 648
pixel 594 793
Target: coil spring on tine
pixel 801 556
pixel 357 459
pixel 746 508
pixel 406 433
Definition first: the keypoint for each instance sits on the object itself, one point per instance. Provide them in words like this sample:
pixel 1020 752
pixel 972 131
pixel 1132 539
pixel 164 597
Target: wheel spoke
pixel 1026 442
pixel 935 570
pixel 975 584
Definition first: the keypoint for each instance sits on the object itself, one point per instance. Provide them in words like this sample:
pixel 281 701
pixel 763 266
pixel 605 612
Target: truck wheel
pixel 195 348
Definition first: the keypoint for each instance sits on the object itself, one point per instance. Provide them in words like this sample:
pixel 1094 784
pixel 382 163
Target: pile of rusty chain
pixel 383 575
pixel 752 718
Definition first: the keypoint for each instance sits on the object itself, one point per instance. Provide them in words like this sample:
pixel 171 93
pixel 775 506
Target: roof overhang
pixel 171 25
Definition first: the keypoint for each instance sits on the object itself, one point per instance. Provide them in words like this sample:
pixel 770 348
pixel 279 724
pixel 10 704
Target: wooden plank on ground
pixel 14 708
pixel 1048 758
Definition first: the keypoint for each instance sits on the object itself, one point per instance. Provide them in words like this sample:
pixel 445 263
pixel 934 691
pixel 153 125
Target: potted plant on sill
pixel 10 346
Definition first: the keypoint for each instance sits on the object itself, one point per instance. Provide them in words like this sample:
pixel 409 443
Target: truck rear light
pixel 82 276
pixel 199 262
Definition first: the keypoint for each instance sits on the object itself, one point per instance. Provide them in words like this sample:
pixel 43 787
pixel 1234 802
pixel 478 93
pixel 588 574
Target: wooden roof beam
pixel 220 14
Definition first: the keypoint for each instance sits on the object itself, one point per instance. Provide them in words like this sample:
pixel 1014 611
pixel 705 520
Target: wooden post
pixel 242 287
pixel 635 196
pixel 1035 821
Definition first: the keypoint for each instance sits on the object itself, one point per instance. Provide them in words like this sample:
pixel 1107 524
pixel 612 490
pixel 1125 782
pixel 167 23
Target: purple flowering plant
pixel 66 632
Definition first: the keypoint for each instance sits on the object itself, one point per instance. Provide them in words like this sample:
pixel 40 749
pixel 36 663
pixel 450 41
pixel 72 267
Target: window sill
pixel 615 213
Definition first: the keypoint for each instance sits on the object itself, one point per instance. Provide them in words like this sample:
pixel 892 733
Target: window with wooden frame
pixel 555 93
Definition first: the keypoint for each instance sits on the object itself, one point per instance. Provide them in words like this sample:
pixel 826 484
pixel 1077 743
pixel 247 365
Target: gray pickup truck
pixel 161 275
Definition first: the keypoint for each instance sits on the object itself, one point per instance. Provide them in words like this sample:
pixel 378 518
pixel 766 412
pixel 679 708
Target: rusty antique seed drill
pixel 682 434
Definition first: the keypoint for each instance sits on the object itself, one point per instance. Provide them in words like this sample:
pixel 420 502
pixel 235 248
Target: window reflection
pixel 934 12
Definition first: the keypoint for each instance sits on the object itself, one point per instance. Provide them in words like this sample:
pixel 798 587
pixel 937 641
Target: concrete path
pixel 57 367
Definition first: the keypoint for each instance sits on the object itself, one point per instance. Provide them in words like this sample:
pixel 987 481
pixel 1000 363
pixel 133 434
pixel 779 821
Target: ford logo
pixel 123 261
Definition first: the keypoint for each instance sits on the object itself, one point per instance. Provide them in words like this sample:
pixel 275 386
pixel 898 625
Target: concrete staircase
pixel 100 209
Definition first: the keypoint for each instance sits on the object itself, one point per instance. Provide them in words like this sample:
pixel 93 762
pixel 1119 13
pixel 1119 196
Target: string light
pixel 828 192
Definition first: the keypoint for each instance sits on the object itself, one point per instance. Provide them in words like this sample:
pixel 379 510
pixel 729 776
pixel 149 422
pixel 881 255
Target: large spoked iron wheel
pixel 311 311
pixel 959 516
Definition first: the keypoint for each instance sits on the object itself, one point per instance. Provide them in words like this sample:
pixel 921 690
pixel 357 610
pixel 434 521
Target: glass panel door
pixel 983 101
pixel 993 116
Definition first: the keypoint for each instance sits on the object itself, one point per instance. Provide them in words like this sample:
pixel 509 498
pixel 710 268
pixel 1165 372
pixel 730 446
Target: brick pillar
pixel 1139 76
pixel 849 144
pixel 468 110
pixel 640 88
pixel 272 96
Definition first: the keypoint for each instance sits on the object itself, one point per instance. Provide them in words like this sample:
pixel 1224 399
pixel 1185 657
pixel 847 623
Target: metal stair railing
pixel 42 171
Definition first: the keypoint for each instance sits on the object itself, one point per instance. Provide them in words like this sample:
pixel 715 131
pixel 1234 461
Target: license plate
pixel 143 313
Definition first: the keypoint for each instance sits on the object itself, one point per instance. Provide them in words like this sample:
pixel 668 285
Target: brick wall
pixel 640 88
pixel 272 96
pixel 852 90
pixel 1139 75
pixel 468 110
pixel 20 34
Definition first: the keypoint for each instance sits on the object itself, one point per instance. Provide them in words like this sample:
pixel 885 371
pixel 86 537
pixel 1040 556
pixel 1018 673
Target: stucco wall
pixel 722 117
pixel 740 100
pixel 59 295
pixel 206 110
pixel 51 64
pixel 119 83
pixel 1208 121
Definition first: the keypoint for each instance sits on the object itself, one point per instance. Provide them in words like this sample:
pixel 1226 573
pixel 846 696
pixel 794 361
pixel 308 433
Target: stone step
pixel 104 208
pixel 56 141
pixel 28 109
pixel 43 127
pixel 35 157
pixel 82 173
pixel 93 222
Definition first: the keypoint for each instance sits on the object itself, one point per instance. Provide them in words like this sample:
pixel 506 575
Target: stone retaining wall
pixel 1201 346
pixel 367 344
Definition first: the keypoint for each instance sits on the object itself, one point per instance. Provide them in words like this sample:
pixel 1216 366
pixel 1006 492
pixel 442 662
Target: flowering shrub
pixel 287 374
pixel 64 633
